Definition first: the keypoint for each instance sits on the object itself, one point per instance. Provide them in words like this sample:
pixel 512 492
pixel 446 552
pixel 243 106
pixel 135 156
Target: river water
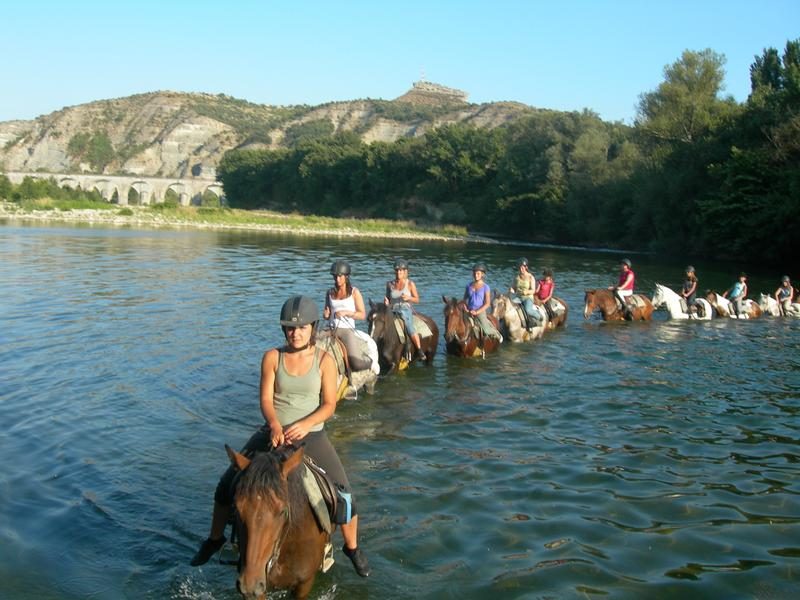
pixel 607 460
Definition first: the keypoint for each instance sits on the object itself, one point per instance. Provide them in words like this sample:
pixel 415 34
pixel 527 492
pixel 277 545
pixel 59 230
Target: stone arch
pixel 182 190
pixel 144 191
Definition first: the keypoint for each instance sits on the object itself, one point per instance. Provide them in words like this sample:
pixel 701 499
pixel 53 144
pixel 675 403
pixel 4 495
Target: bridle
pixel 454 335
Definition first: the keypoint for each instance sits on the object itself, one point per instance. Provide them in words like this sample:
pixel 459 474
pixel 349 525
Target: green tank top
pixel 524 286
pixel 297 396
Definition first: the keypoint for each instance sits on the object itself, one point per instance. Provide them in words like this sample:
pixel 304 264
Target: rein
pixel 464 321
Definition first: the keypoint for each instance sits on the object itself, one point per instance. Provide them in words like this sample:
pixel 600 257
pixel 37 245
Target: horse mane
pixel 264 473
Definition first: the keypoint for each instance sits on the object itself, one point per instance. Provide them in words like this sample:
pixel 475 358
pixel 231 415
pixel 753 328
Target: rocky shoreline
pixel 141 217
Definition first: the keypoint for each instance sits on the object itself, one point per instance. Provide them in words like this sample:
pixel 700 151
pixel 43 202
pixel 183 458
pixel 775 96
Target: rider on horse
pixel 737 294
pixel 478 298
pixel 524 286
pixel 344 306
pixel 624 287
pixel 785 295
pixel 689 289
pixel 544 293
pixel 298 394
pixel 400 293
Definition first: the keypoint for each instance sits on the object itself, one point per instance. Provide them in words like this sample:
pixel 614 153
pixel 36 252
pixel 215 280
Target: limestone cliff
pixel 169 134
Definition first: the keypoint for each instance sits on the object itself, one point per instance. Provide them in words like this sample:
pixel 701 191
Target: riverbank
pixel 159 216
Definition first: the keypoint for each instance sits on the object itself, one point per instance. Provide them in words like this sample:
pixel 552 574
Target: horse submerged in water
pixel 769 306
pixel 724 307
pixel 395 350
pixel 461 334
pixel 676 305
pixel 281 544
pixel 640 307
pixel 511 316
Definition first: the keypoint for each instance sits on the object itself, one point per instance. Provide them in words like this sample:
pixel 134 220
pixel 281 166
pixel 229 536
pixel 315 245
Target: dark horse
pixel 281 545
pixel 459 331
pixel 641 308
pixel 393 352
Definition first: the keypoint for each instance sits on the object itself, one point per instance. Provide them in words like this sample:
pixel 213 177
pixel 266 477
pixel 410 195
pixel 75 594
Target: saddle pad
pixel 637 301
pixel 421 326
pixel 316 499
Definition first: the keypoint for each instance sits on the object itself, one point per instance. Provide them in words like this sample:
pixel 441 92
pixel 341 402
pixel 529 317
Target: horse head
pixel 589 303
pixel 500 306
pixel 382 330
pixel 455 324
pixel 659 296
pixel 264 501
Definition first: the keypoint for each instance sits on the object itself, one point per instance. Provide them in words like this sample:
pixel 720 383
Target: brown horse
pixel 394 352
pixel 559 317
pixel 459 331
pixel 281 546
pixel 640 306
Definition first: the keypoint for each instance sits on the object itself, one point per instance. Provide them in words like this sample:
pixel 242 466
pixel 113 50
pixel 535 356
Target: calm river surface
pixel 629 460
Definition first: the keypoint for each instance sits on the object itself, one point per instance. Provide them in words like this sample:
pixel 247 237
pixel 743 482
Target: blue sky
pixel 565 55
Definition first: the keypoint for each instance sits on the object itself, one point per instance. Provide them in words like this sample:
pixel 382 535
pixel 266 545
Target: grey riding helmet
pixel 479 267
pixel 400 264
pixel 299 311
pixel 522 262
pixel 340 267
pixel 626 262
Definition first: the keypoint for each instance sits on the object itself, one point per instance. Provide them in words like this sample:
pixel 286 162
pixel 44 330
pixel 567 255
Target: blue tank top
pixel 476 298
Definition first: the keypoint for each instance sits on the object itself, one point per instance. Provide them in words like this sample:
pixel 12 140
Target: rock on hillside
pixel 171 134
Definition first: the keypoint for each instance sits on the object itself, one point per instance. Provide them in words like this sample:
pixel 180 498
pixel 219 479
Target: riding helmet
pixel 340 267
pixel 400 264
pixel 690 269
pixel 522 261
pixel 479 267
pixel 626 262
pixel 298 311
pixel 786 279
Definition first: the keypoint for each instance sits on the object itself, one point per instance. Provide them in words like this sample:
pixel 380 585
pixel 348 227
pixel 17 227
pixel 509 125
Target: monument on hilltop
pixel 426 92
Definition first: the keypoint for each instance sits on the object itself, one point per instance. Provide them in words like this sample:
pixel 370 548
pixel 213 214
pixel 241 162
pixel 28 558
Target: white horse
pixel 771 307
pixel 664 295
pixel 724 309
pixel 509 313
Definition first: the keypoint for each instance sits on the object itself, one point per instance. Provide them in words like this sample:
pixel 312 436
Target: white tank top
pixel 347 304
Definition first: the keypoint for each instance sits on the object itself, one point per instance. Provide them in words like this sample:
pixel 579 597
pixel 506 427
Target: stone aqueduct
pixel 151 190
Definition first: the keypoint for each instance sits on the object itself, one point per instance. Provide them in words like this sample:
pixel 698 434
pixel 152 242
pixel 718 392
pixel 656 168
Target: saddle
pixel 421 326
pixel 322 494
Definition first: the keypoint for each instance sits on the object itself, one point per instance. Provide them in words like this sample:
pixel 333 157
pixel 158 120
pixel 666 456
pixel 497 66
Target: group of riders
pixel 737 293
pixel 299 380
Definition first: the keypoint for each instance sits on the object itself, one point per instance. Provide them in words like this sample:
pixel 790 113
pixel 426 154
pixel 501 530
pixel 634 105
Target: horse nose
pixel 252 590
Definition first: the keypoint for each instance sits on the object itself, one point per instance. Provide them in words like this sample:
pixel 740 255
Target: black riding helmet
pixel 340 267
pixel 400 264
pixel 299 311
pixel 522 262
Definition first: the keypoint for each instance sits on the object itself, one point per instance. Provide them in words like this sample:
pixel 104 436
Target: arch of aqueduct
pixel 151 190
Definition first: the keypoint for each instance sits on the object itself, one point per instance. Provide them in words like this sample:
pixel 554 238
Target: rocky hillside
pixel 170 134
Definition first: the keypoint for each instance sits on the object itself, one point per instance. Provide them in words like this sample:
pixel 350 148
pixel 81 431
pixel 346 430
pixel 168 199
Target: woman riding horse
pixel 604 300
pixel 401 292
pixel 298 394
pixel 478 298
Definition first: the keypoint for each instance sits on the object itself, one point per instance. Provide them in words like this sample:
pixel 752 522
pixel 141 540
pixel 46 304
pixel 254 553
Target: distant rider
pixel 400 294
pixel 689 289
pixel 624 288
pixel 478 298
pixel 737 294
pixel 524 286
pixel 785 295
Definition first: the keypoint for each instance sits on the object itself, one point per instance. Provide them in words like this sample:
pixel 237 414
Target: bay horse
pixel 511 316
pixel 724 307
pixel 393 351
pixel 605 301
pixel 281 545
pixel 672 300
pixel 459 334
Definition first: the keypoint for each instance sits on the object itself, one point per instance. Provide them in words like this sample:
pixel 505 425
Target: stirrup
pixel 327 558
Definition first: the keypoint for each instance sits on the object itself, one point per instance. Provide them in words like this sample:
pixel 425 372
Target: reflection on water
pixel 625 460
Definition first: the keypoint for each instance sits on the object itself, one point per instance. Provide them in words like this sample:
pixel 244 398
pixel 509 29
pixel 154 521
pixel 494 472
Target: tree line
pixel 696 174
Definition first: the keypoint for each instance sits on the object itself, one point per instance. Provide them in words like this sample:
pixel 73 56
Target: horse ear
pixel 371 303
pixel 444 299
pixel 240 461
pixel 292 462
